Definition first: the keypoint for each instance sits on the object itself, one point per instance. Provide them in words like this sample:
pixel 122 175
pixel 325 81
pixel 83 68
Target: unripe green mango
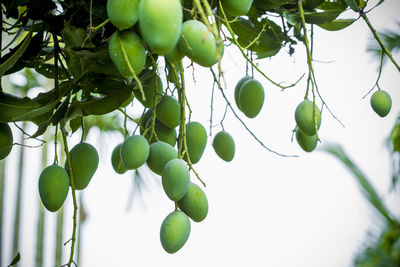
pixel 132 61
pixel 160 154
pixel 164 133
pixel 198 43
pixel 153 90
pixel 236 7
pixel 134 151
pixel 306 142
pixel 84 161
pixel 6 140
pixel 175 179
pixel 144 120
pixel 53 187
pixel 238 87
pixel 160 23
pixel 175 55
pixel 123 14
pixel 304 116
pixel 174 232
pixel 251 97
pixel 196 140
pixel 194 204
pixel 381 103
pixel 116 160
pixel 169 111
pixel 224 145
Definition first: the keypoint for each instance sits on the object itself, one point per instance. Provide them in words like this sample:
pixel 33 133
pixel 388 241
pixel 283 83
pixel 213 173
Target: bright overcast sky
pixel 264 210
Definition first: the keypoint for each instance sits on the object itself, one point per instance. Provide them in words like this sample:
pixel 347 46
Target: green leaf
pixel 353 4
pixel 75 38
pixel 336 5
pixel 75 123
pixel 17 53
pixel 395 138
pixel 16 259
pixel 336 25
pixel 321 17
pixel 367 188
pixel 100 105
pixel 48 71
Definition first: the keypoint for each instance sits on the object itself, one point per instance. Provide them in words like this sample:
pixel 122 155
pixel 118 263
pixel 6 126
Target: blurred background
pixel 264 209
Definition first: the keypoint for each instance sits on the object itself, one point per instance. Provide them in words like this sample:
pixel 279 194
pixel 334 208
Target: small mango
pixel 160 154
pixel 306 142
pixel 175 231
pixel 251 97
pixel 196 140
pixel 169 111
pixel 236 7
pixel 134 151
pixel 194 204
pixel 304 116
pixel 116 160
pixel 123 14
pixel 224 145
pixel 381 103
pixel 53 187
pixel 175 179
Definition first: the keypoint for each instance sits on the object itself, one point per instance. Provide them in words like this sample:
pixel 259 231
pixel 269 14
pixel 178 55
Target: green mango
pixel 194 204
pixel 196 140
pixel 251 97
pixel 306 142
pixel 381 103
pixel 84 160
pixel 169 111
pixel 53 187
pixel 144 120
pixel 116 160
pixel 304 116
pixel 160 154
pixel 6 140
pixel 175 179
pixel 237 89
pixel 160 24
pixel 153 90
pixel 236 7
pixel 198 43
pixel 164 133
pixel 224 145
pixel 127 41
pixel 174 232
pixel 123 14
pixel 134 151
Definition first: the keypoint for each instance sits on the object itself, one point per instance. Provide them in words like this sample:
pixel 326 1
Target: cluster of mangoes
pixel 54 181
pixel 308 121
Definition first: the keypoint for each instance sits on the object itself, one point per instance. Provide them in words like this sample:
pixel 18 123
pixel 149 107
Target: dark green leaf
pixel 48 71
pixel 353 4
pixel 75 38
pixel 321 17
pixel 336 5
pixel 16 54
pixel 75 123
pixel 336 25
pixel 395 138
pixel 16 259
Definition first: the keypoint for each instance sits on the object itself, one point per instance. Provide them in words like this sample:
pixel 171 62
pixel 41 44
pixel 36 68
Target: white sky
pixel 265 210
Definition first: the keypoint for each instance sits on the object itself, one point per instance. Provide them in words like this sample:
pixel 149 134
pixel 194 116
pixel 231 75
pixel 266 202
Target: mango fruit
pixel 381 103
pixel 251 97
pixel 196 140
pixel 84 161
pixel 198 43
pixel 238 87
pixel 153 90
pixel 163 133
pixel 53 187
pixel 174 232
pixel 175 179
pixel 6 140
pixel 116 160
pixel 175 55
pixel 236 7
pixel 148 115
pixel 127 52
pixel 194 204
pixel 160 154
pixel 169 111
pixel 224 145
pixel 134 151
pixel 160 24
pixel 306 142
pixel 304 116
pixel 123 14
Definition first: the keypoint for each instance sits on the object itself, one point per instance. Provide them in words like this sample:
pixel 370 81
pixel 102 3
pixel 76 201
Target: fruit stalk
pixel 376 36
pixel 73 238
pixel 232 33
pixel 309 62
